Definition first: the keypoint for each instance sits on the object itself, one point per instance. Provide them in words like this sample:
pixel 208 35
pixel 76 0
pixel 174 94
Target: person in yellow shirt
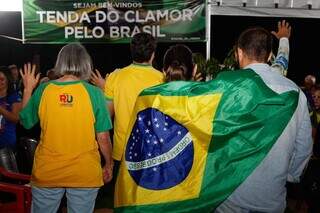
pixel 74 124
pixel 123 86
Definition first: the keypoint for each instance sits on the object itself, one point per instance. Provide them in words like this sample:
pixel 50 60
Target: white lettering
pixel 127 16
pixel 187 14
pixel 68 31
pixel 162 14
pixel 113 16
pixel 175 15
pixel 73 17
pixel 150 16
pixel 41 15
pixel 51 17
pixel 165 157
pixel 100 16
pixel 114 32
pixel 98 32
pixel 125 31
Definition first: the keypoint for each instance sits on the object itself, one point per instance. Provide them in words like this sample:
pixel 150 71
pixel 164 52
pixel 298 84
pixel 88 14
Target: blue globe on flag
pixel 159 152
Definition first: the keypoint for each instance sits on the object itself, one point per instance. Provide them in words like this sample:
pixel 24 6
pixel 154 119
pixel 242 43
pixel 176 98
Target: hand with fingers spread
pixel 284 30
pixel 97 79
pixel 29 77
pixel 30 81
pixel 196 76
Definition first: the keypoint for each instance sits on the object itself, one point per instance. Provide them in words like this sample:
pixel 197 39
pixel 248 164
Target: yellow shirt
pixel 70 113
pixel 123 87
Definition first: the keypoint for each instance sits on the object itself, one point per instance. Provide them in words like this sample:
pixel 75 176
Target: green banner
pixel 115 21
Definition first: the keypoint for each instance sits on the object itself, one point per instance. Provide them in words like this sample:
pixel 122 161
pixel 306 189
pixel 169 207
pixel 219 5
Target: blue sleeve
pixel 14 98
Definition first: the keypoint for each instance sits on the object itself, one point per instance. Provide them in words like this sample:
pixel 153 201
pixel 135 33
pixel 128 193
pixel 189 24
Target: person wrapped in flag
pixel 228 145
pixel 264 190
pixel 143 46
pixel 165 132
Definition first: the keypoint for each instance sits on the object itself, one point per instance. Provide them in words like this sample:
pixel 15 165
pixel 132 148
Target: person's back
pixel 61 121
pixel 123 86
pixel 264 190
pixel 74 127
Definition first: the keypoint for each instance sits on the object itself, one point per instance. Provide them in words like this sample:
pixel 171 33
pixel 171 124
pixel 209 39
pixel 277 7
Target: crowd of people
pixel 75 119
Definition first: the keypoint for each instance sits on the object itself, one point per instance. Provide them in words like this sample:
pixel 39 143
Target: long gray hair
pixel 73 59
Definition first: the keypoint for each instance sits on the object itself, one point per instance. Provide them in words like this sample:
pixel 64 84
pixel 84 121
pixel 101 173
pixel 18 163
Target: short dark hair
pixel 142 46
pixel 256 43
pixel 178 63
pixel 6 72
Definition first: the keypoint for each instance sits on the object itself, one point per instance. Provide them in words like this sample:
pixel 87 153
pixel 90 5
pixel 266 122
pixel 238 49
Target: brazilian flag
pixel 191 144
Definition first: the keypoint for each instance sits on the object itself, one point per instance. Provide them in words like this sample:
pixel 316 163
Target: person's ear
pixel 239 54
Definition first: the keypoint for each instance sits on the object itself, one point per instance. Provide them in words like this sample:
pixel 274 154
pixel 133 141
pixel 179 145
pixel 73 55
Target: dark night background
pixel 304 56
pixel 304 44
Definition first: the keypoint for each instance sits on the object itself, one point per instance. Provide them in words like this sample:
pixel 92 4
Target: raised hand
pixel 196 76
pixel 97 79
pixel 284 30
pixel 29 77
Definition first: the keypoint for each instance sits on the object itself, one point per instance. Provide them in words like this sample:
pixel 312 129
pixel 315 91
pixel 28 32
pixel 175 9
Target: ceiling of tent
pixel 276 8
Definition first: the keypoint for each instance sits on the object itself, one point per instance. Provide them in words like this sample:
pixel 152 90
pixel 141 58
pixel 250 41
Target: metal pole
pixel 22 22
pixel 208 29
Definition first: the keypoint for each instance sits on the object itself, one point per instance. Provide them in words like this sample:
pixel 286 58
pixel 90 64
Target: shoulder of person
pixel 115 72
